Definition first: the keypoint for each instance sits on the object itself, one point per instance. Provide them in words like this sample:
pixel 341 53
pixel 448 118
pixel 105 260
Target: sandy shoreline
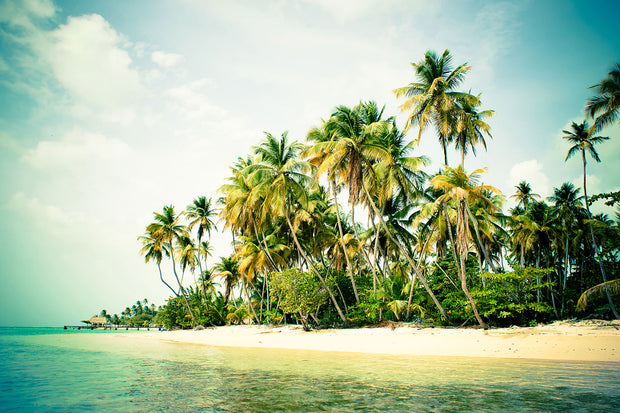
pixel 581 341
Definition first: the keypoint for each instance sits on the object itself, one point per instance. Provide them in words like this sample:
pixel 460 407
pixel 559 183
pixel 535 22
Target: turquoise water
pixel 54 370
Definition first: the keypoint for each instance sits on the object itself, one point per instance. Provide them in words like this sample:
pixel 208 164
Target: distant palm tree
pixel 524 194
pixel 607 103
pixel 433 95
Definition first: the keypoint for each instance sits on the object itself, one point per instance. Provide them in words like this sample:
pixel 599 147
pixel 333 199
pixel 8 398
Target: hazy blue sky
pixel 112 109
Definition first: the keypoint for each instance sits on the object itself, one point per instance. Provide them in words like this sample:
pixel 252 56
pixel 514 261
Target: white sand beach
pixel 591 340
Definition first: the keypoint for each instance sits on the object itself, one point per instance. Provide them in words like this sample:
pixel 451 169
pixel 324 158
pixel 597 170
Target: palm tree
pixel 228 269
pixel 459 189
pixel 566 206
pixel 524 195
pixel 470 126
pixel 324 136
pixel 612 286
pixel 167 229
pixel 187 255
pixel 607 103
pixel 154 249
pixel 581 137
pixel 201 213
pixel 280 177
pixel 433 95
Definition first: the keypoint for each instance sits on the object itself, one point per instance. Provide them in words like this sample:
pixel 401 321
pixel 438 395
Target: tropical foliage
pixel 347 228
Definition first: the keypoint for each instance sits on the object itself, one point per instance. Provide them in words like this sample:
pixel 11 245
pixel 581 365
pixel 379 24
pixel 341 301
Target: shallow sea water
pixel 56 370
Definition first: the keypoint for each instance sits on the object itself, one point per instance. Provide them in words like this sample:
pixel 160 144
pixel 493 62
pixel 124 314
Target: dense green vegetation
pixel 139 314
pixel 408 247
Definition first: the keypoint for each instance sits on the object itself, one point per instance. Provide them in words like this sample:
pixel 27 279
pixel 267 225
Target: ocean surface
pixel 49 370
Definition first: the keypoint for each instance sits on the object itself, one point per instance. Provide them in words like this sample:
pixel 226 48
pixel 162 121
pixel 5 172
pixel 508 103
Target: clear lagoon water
pixel 49 370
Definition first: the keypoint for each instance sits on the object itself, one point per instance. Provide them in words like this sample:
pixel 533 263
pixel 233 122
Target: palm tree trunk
pixel 162 280
pixel 359 242
pixel 174 269
pixel 483 247
pixel 410 299
pixel 247 294
pixel 311 265
pixel 597 257
pixel 463 248
pixel 415 268
pixel 344 248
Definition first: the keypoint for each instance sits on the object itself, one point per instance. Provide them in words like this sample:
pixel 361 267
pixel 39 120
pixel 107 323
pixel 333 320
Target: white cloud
pixel 191 103
pixel 21 12
pixel 76 147
pixel 46 216
pixel 164 59
pixel 532 172
pixel 88 57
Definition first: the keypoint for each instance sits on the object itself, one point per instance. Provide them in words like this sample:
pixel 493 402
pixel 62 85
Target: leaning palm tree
pixel 606 105
pixel 434 94
pixel 167 229
pixel 581 137
pixel 153 250
pixel 460 189
pixel 608 287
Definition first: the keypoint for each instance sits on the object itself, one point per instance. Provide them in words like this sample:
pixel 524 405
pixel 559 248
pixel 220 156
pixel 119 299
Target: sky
pixel 110 110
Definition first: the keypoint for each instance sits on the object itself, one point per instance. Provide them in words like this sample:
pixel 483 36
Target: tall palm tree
pixel 581 137
pixel 434 94
pixel 606 105
pixel 566 206
pixel 470 126
pixel 167 229
pixel 201 213
pixel 280 176
pixel 459 189
pixel 323 137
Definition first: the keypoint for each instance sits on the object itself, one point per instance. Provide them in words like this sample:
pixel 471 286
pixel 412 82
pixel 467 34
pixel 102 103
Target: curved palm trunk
pixel 463 247
pixel 410 299
pixel 359 242
pixel 247 294
pixel 174 269
pixel 594 244
pixel 483 247
pixel 311 265
pixel 344 248
pixel 415 268
pixel 161 277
